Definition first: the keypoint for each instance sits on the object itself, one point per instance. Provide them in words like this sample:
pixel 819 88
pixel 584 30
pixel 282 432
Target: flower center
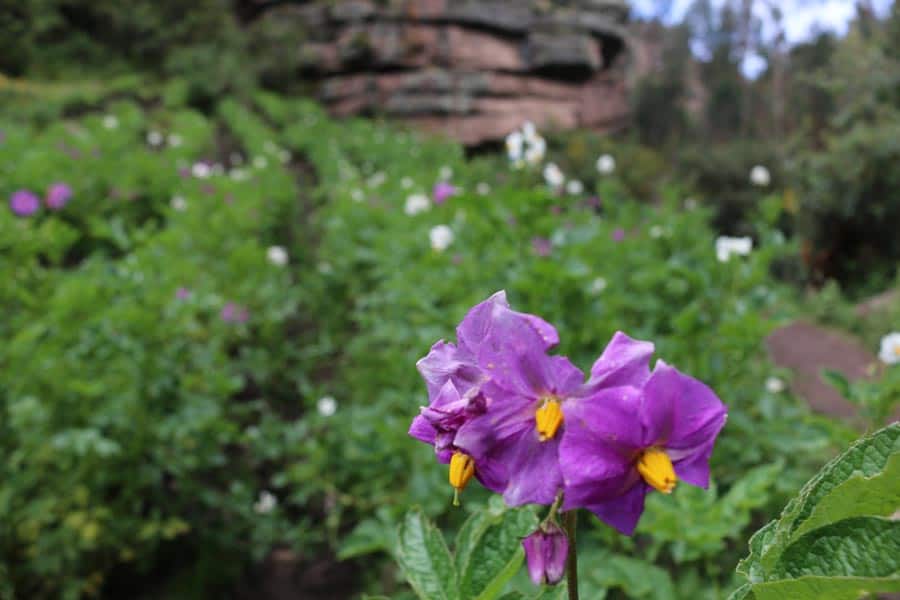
pixel 656 468
pixel 548 418
pixel 896 349
pixel 462 468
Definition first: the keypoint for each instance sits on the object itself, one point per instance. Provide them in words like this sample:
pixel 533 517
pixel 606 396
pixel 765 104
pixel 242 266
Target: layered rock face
pixel 474 70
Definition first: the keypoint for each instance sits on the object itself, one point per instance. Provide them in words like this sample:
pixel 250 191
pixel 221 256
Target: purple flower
pixel 24 203
pixel 454 378
pixel 234 313
pixel 183 293
pixel 641 430
pixel 442 191
pixel 546 550
pixel 58 196
pixel 541 246
pixel 618 235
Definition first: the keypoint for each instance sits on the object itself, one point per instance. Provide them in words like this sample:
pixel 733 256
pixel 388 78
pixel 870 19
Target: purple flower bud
pixel 234 313
pixel 546 551
pixel 58 196
pixel 24 203
pixel 618 235
pixel 442 191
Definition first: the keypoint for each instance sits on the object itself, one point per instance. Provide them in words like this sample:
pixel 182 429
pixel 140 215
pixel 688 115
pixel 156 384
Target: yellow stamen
pixel 548 418
pixel 462 468
pixel 897 350
pixel 655 467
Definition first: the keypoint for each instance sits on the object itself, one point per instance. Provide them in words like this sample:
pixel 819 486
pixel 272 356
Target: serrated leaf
pixel 859 496
pixel 425 560
pixel 857 547
pixel 820 588
pixel 750 567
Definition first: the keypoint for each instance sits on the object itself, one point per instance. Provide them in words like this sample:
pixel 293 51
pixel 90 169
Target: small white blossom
pixel 441 236
pixel 598 285
pixel 529 131
pixel 726 246
pixel 553 175
pixel 200 170
pixel 606 164
pixel 406 183
pixel 890 349
pixel 260 162
pixel 357 195
pixel 656 231
pixel 277 255
pixel 377 179
pixel 266 502
pixel 759 176
pixel 445 174
pixel 774 385
pixel 325 268
pixel 110 121
pixel 574 187
pixel 525 146
pixel 416 203
pixel 514 144
pixel 690 203
pixel 284 156
pixel 239 174
pixel 179 203
pixel 326 406
pixel 154 138
pixel 483 189
pixel 175 140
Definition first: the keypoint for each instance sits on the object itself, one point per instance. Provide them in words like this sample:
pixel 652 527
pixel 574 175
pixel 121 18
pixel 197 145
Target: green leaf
pixel 745 592
pixel 637 578
pixel 837 381
pixel 425 560
pixel 750 566
pixel 819 588
pixel 367 537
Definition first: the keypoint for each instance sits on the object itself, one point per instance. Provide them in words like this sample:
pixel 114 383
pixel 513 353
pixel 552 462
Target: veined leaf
pixel 425 559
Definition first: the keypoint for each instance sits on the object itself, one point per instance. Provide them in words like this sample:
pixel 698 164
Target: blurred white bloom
pixel 277 255
pixel 110 121
pixel 726 246
pixel 606 164
pixel 239 174
pixel 325 268
pixel 483 189
pixel 200 170
pixel 774 385
pixel 326 406
pixel 406 183
pixel 598 285
pixel 574 187
pixel 525 146
pixel 154 138
pixel 553 176
pixel 537 148
pixel 759 176
pixel 260 162
pixel 441 237
pixel 179 203
pixel 284 156
pixel 514 143
pixel 656 231
pixel 529 131
pixel 357 195
pixel 890 349
pixel 416 203
pixel 445 173
pixel 690 203
pixel 266 502
pixel 377 179
pixel 175 140
pixel 218 169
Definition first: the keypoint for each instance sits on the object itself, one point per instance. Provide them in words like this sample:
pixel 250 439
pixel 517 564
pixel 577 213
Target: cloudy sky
pixel 802 18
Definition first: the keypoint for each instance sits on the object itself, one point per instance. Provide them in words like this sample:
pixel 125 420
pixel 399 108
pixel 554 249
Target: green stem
pixel 571 520
pixel 551 516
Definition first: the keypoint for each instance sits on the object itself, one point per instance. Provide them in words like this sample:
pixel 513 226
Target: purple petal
pixel 492 473
pixel 694 468
pixel 534 473
pixel 625 361
pixel 622 512
pixel 505 418
pixel 546 551
pixel 483 319
pixel 445 362
pixel 422 430
pixel 534 556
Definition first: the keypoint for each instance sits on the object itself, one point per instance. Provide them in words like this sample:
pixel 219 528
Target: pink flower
pixel 618 235
pixel 442 191
pixel 58 195
pixel 24 203
pixel 183 293
pixel 541 246
pixel 234 313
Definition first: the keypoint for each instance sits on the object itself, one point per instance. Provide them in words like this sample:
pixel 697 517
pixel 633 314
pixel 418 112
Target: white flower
pixel 606 164
pixel 406 183
pixel 537 148
pixel 690 203
pixel 441 237
pixel 416 203
pixel 179 203
pixel 656 231
pixel 175 140
pixel 110 121
pixel 726 246
pixel 890 349
pixel 759 176
pixel 277 255
pixel 529 131
pixel 154 138
pixel 553 176
pixel 200 170
pixel 445 173
pixel 574 187
pixel 377 179
pixel 598 285
pixel 514 143
pixel 284 156
pixel 266 502
pixel 774 385
pixel 326 406
pixel 357 195
pixel 239 174
pixel 483 189
pixel 260 162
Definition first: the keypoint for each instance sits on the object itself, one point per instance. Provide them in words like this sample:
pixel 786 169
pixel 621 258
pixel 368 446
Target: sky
pixel 802 18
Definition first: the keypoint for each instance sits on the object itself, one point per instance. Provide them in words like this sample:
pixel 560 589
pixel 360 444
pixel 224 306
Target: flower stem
pixel 551 516
pixel 571 520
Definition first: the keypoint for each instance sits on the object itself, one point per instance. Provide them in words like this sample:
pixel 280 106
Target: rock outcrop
pixel 472 69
